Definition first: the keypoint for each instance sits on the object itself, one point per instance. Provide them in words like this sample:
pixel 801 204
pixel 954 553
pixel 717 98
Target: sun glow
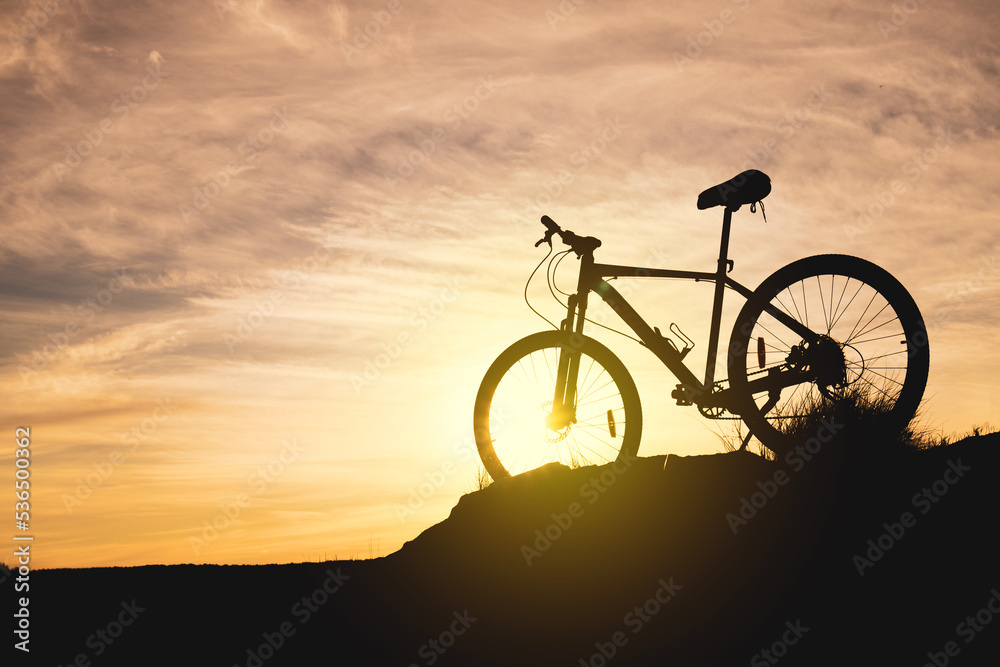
pixel 527 432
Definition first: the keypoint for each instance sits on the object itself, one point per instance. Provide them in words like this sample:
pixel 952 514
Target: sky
pixel 255 256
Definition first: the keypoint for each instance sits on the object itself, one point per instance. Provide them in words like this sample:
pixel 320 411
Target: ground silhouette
pixel 831 557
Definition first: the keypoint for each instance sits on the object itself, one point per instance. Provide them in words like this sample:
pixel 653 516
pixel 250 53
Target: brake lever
pixel 546 239
pixel 550 228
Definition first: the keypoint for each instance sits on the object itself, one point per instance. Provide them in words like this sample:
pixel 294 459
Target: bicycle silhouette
pixel 819 330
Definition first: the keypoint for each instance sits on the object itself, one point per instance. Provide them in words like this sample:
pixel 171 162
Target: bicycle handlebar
pixel 581 245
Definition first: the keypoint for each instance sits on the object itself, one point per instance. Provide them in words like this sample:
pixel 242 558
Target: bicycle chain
pixel 707 412
pixel 720 385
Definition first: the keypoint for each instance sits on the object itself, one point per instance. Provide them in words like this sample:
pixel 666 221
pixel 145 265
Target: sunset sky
pixel 255 262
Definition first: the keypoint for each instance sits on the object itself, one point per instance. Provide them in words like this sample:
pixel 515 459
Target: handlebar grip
pixel 550 224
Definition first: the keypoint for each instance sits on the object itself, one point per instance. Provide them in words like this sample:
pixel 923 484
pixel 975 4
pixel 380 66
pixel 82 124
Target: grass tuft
pixel 864 413
pixel 481 480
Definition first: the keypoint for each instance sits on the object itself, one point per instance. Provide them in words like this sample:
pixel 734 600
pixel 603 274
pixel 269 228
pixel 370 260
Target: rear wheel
pixel 515 427
pixel 866 348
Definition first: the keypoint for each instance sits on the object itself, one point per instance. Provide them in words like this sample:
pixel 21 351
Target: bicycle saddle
pixel 749 187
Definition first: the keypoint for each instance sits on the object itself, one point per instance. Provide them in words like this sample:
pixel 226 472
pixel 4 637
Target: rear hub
pixel 823 359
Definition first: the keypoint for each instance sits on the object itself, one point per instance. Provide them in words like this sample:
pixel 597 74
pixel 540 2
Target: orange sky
pixel 255 263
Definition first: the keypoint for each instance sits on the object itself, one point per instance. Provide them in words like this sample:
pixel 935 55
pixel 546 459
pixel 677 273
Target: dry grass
pixel 925 437
pixel 481 480
pixel 862 411
pixel 574 460
pixel 865 413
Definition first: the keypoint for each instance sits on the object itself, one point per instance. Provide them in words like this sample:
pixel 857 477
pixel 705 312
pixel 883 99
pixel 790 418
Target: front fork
pixel 564 401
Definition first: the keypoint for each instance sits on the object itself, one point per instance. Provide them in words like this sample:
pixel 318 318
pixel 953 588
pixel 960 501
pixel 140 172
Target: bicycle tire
pixel 881 384
pixel 511 405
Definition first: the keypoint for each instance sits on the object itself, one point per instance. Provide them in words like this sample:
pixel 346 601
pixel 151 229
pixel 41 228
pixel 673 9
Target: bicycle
pixel 823 328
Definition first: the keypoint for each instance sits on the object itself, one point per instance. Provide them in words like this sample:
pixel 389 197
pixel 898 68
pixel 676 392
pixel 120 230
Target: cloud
pixel 225 154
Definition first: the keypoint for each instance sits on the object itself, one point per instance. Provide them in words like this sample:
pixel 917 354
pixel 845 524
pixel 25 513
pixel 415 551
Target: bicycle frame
pixel 592 279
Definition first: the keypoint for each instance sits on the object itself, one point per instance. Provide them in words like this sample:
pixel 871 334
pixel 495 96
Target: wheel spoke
pixel 588 447
pixel 805 302
pixel 876 387
pixel 872 340
pixel 588 389
pixel 865 329
pixel 887 354
pixel 822 303
pixel 849 337
pixel 795 305
pixel 787 347
pixel 786 309
pixel 832 290
pixel 853 297
pixel 883 376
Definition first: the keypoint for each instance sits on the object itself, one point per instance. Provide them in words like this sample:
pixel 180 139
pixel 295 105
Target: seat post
pixel 720 287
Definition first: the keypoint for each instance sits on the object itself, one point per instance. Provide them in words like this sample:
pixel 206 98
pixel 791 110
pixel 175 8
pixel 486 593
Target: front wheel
pixel 515 427
pixel 827 335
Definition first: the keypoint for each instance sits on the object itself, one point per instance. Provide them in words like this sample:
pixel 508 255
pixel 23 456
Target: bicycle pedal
pixel 681 396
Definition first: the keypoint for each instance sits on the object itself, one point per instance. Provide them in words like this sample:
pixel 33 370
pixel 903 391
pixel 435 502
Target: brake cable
pixel 529 282
pixel 550 272
pixel 552 279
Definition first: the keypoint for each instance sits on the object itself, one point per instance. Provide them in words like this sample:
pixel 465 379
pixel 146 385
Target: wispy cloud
pixel 247 174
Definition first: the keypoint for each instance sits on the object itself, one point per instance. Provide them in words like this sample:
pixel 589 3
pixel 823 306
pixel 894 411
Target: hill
pixel 832 557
